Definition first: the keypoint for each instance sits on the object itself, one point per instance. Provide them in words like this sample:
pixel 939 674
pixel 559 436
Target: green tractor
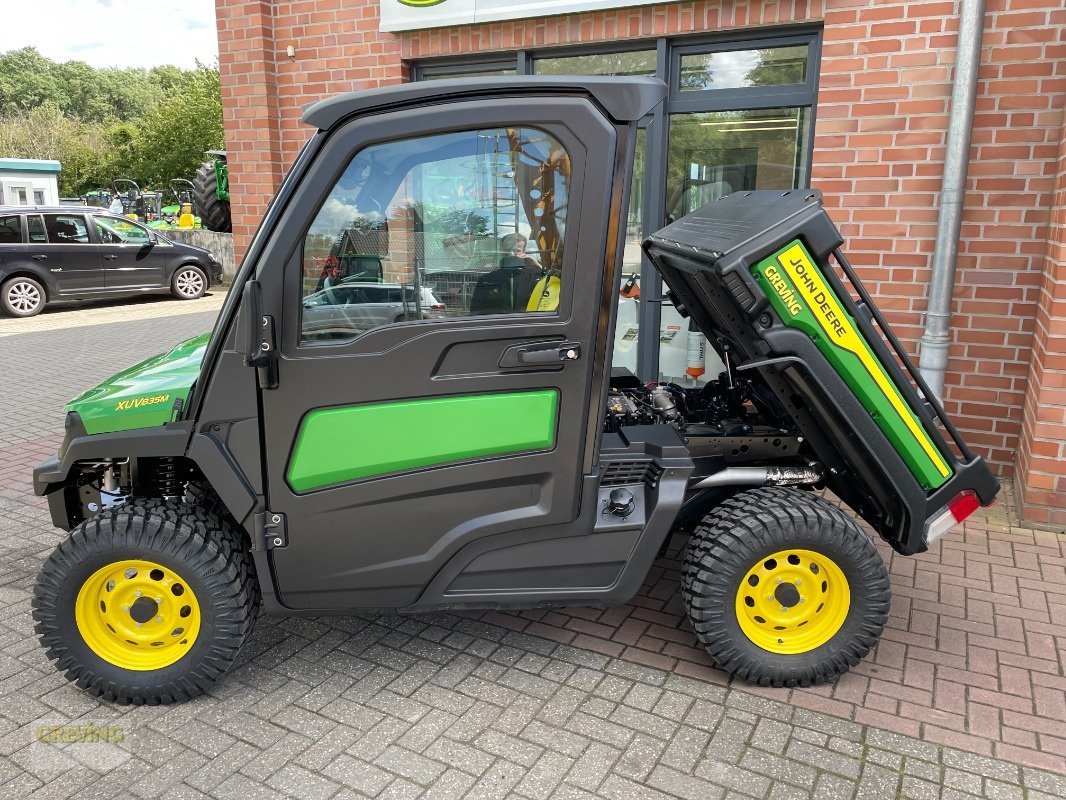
pixel 144 206
pixel 210 192
pixel 97 198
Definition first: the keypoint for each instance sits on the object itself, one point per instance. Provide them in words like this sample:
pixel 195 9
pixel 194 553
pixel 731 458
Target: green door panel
pixel 338 445
pixel 804 300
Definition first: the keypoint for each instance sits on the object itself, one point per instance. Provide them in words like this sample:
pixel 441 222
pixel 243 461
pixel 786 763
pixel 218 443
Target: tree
pixel 101 124
pixel 173 138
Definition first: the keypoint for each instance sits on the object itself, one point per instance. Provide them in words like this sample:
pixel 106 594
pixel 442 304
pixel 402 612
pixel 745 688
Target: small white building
pixel 29 182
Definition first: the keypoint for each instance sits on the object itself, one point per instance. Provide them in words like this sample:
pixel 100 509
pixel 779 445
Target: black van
pixel 64 253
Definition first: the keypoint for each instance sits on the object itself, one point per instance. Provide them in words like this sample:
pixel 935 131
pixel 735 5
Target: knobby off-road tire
pixel 214 214
pixel 783 588
pixel 197 603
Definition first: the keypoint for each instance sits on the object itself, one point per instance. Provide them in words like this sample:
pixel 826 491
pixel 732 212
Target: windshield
pixel 115 230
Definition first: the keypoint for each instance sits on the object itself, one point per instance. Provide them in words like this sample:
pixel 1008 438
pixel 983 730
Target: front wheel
pixel 784 589
pixel 188 283
pixel 147 603
pixel 22 297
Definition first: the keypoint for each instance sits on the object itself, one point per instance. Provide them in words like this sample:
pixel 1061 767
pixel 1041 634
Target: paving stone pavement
pixel 964 697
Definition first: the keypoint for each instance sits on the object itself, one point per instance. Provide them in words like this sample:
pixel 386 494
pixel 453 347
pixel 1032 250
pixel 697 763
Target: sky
pixel 113 33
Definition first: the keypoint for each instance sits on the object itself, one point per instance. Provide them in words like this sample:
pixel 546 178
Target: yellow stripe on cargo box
pixel 801 296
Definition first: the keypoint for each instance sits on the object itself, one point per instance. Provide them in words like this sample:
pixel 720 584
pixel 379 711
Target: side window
pixel 10 230
pixel 438 227
pixel 36 228
pixel 115 230
pixel 66 229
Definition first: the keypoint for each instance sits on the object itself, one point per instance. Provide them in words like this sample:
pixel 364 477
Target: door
pixel 61 244
pixel 394 442
pixel 132 259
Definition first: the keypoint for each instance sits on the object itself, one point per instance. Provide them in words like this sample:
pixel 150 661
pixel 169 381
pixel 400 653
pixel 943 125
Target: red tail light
pixel 438 307
pixel 963 505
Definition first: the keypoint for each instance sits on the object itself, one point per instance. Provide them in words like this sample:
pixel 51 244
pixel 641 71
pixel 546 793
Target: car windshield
pixel 115 230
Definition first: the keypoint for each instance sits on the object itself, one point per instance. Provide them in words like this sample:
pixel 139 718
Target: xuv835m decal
pixel 803 299
pixel 339 445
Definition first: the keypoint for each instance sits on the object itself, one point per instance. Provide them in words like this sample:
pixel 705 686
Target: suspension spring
pixel 167 478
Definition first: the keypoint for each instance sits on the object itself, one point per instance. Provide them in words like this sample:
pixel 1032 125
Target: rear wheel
pixel 784 589
pixel 214 214
pixel 22 297
pixel 189 283
pixel 148 603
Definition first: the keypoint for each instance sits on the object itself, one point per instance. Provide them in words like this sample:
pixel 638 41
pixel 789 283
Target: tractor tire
pixel 214 214
pixel 147 603
pixel 22 297
pixel 783 588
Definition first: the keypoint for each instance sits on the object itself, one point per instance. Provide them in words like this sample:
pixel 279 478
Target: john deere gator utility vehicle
pixel 314 455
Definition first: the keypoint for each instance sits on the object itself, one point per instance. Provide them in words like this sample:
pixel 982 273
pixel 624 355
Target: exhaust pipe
pixel 762 476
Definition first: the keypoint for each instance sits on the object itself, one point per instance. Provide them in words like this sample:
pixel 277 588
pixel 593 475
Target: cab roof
pixel 624 99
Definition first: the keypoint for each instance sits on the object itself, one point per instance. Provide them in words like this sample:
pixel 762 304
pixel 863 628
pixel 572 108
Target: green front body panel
pixel 803 299
pixel 340 445
pixel 142 396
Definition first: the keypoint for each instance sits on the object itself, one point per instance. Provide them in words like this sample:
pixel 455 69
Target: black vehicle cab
pixel 56 253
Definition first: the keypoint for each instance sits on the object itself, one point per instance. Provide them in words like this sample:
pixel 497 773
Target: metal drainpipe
pixel 935 340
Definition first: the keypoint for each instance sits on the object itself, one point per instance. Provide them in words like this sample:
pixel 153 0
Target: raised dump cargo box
pixel 763 273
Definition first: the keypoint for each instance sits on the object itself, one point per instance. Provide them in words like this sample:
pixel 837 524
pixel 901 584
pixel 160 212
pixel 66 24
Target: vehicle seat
pixel 61 231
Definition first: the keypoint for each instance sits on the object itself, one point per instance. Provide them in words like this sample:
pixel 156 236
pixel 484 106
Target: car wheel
pixel 22 297
pixel 188 283
pixel 148 603
pixel 783 588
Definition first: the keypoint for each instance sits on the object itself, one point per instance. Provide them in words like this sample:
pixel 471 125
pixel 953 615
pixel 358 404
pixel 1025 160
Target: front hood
pixel 145 394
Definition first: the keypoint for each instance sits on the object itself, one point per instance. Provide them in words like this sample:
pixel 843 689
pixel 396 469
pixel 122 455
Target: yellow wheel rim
pixel 793 601
pixel 137 615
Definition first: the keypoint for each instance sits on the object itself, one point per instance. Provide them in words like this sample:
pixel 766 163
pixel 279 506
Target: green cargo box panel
pixel 802 298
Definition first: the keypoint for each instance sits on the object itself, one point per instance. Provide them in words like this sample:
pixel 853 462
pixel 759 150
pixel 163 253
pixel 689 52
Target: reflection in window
pixel 738 69
pixel 632 63
pixel 627 324
pixel 66 229
pixel 36 228
pixel 10 230
pixel 450 225
pixel 115 230
pixel 431 75
pixel 717 153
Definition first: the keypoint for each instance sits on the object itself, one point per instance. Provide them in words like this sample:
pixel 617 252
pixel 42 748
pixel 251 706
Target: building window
pixel 739 116
pixel 739 69
pixel 631 63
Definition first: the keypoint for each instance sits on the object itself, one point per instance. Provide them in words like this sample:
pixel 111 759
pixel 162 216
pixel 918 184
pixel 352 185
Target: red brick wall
pixel 879 146
pixel 247 61
pixel 1041 456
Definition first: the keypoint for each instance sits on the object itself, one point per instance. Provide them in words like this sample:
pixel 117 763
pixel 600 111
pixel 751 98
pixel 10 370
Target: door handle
pixel 540 354
pixel 110 258
pixel 39 258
